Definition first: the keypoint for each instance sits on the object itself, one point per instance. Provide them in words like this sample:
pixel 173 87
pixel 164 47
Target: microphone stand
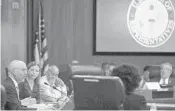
pixel 57 90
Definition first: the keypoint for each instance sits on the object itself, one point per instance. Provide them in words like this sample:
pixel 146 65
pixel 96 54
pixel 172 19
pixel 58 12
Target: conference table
pixel 162 99
pixel 154 98
pixel 158 98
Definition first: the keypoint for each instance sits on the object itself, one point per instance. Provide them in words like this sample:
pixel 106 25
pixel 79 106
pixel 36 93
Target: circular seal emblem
pixel 151 22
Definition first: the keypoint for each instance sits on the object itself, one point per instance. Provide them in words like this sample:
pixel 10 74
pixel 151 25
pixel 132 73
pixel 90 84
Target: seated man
pixel 52 89
pixel 146 73
pixel 164 79
pixel 165 73
pixel 17 71
pixel 144 77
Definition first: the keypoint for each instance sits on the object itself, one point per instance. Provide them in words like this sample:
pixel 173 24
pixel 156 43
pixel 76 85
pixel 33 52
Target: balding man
pixel 52 89
pixel 17 71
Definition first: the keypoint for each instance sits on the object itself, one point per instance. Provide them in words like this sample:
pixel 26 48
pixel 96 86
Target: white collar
pixel 14 81
pixel 166 81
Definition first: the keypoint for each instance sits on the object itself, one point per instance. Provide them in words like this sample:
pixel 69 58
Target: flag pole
pixel 39 30
pixel 39 37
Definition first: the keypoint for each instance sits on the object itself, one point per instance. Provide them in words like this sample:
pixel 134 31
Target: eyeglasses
pixel 165 69
pixel 24 69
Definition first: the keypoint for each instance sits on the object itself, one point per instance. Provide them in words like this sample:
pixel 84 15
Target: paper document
pixel 152 85
pixel 42 106
pixel 28 101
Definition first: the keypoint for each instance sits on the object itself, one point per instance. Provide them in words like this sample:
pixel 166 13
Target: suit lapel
pixel 26 86
pixel 14 87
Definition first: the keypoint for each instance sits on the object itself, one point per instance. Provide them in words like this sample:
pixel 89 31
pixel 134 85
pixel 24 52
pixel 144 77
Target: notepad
pixel 153 85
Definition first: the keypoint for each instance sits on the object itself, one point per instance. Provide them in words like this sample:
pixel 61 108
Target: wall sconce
pixel 16 11
pixel 15 4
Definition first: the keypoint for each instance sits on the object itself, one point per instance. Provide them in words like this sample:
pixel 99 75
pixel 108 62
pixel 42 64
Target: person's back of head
pixel 18 70
pixel 130 76
pixel 3 97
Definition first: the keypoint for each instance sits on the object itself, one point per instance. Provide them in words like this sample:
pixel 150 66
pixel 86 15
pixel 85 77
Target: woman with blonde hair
pixel 30 86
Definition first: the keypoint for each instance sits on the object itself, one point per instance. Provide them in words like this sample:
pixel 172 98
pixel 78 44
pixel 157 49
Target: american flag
pixel 40 40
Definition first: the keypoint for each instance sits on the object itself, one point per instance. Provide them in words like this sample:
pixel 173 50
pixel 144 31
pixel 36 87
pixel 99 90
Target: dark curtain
pixel 32 15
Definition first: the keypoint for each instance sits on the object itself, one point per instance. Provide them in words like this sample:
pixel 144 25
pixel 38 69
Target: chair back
pixel 98 92
pixel 3 97
pixel 85 70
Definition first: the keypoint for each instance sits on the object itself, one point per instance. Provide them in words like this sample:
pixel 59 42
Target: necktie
pixel 17 89
pixel 164 82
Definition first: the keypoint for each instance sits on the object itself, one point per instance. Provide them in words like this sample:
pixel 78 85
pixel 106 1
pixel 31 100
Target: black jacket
pixel 135 102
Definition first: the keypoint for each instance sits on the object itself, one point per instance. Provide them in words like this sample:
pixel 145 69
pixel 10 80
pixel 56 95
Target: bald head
pixel 16 64
pixel 18 70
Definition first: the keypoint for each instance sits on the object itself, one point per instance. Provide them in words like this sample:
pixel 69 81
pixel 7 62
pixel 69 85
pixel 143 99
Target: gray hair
pixel 52 70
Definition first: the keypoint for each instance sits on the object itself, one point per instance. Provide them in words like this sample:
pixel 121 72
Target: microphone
pixel 55 89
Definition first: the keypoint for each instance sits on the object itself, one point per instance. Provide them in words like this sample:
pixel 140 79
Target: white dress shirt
pixel 162 81
pixel 48 94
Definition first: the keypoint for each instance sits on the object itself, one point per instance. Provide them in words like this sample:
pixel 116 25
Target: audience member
pixel 30 86
pixel 144 77
pixel 130 76
pixel 146 73
pixel 17 72
pixel 107 68
pixel 52 89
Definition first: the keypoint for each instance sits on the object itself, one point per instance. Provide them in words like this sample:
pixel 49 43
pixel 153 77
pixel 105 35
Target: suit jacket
pixel 25 90
pixel 13 103
pixel 135 102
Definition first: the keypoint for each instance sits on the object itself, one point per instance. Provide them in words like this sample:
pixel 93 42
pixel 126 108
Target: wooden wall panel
pixel 13 33
pixel 69 28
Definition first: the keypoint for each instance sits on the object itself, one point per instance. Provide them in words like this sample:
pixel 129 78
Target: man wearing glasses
pixel 164 80
pixel 17 72
pixel 165 73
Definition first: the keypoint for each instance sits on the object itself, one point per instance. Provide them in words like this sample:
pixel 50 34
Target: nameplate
pixel 162 93
pixel 91 80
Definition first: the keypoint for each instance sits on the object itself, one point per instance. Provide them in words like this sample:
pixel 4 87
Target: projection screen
pixel 134 27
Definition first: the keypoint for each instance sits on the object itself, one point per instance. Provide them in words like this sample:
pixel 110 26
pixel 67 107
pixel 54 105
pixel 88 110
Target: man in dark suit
pixel 165 75
pixel 165 79
pixel 17 71
pixel 135 102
